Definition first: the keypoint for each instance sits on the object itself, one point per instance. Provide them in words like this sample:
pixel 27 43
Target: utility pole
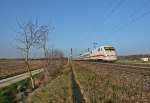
pixel 88 49
pixel 71 54
pixel 70 57
pixel 95 44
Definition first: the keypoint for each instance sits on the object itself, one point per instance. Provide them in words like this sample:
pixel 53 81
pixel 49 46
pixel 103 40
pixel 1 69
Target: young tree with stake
pixel 44 32
pixel 28 37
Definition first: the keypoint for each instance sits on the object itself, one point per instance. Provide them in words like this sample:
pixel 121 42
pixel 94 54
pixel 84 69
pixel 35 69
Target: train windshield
pixel 109 48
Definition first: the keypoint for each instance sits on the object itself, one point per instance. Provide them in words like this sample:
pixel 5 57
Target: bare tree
pixel 28 37
pixel 44 32
pixel 56 55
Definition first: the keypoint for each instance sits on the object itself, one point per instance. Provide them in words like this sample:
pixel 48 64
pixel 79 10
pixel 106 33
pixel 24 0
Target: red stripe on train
pixel 99 55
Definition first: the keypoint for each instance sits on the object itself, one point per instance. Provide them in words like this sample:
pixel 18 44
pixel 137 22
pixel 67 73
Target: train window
pixel 101 49
pixel 98 49
pixel 91 52
pixel 109 48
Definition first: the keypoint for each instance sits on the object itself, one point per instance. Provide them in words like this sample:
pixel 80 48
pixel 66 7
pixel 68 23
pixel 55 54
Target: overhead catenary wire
pixel 113 10
pixel 133 17
pixel 140 8
pixel 133 20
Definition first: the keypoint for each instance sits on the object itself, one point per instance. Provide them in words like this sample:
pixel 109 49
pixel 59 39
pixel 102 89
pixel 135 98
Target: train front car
pixel 109 53
pixel 102 53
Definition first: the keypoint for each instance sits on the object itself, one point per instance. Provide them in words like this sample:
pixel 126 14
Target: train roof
pixel 103 46
pixel 85 53
pixel 106 46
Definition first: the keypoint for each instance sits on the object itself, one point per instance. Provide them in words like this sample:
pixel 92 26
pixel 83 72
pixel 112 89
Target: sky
pixel 124 24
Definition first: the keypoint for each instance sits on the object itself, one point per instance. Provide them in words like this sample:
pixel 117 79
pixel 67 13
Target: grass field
pixel 57 91
pixel 103 85
pixel 19 91
pixel 87 82
pixel 96 89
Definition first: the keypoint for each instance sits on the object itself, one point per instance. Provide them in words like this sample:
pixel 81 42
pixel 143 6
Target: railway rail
pixel 142 70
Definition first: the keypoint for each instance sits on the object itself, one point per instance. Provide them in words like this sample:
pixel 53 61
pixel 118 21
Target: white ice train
pixel 102 53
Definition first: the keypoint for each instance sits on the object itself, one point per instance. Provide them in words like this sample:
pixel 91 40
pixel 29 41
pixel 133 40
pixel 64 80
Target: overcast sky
pixel 125 24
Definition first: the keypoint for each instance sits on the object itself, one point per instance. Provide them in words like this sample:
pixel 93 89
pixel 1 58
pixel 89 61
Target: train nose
pixel 111 58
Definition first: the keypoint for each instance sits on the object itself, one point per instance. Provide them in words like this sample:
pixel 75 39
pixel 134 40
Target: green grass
pixel 57 91
pixel 8 94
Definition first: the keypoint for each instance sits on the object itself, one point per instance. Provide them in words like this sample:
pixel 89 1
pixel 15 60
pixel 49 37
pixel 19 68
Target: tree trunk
pixel 29 71
pixel 46 63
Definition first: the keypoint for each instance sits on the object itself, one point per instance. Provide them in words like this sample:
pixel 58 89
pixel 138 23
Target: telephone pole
pixel 71 54
pixel 95 44
pixel 88 49
pixel 70 57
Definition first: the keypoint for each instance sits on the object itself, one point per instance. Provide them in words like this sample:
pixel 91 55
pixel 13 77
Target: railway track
pixel 137 73
pixel 142 70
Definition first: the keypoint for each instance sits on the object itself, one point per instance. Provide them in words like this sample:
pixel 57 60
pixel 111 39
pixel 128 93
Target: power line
pixel 95 44
pixel 134 19
pixel 140 8
pixel 141 16
pixel 114 9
